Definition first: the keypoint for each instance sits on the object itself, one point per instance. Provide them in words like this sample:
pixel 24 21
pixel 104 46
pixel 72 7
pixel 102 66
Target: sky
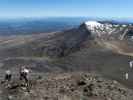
pixel 66 8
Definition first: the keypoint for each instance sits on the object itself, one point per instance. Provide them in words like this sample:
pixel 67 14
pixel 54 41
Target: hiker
pixel 131 64
pixel 126 76
pixel 24 73
pixel 8 75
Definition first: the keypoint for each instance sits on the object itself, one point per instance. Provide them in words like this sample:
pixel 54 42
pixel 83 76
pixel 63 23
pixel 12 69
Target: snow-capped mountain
pixel 108 30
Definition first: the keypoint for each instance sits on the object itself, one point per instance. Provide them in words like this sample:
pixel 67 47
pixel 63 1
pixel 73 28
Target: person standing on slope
pixel 131 64
pixel 24 73
pixel 8 75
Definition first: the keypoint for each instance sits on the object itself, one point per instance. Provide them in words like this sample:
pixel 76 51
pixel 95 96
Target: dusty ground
pixel 68 86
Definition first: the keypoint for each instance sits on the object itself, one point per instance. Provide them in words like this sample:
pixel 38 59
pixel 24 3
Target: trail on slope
pixel 117 47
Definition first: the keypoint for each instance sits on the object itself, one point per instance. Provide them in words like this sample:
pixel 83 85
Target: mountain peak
pixel 92 24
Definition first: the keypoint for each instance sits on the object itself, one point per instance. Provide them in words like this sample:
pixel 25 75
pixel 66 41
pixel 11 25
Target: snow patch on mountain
pixel 92 24
pixel 105 29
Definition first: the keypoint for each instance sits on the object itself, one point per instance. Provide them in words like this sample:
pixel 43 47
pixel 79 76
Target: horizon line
pixel 93 17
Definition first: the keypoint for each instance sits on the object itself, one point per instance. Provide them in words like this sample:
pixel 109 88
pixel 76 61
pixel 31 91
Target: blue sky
pixel 66 8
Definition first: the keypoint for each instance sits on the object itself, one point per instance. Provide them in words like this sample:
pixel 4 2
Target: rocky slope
pixel 68 86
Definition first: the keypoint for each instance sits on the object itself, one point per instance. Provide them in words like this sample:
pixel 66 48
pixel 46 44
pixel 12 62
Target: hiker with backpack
pixel 24 73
